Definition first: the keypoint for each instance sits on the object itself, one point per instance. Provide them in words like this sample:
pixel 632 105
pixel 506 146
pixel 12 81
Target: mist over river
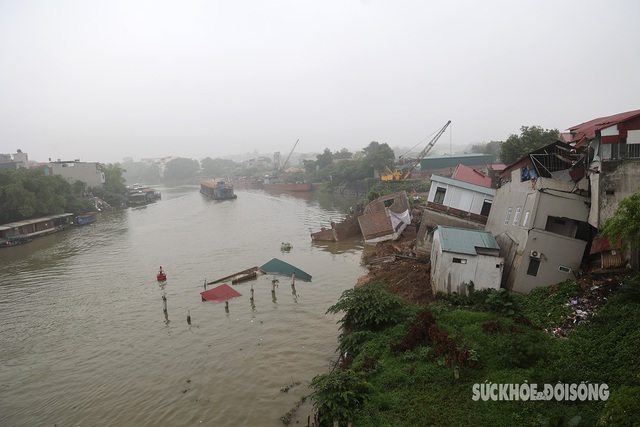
pixel 84 339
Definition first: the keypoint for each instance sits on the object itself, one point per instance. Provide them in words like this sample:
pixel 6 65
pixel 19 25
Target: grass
pixel 417 388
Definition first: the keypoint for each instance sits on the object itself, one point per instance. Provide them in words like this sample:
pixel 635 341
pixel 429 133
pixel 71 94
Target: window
pixel 506 220
pixel 439 197
pixel 486 207
pixel 534 266
pixel 516 217
pixel 526 219
pixel 564 269
pixel 460 260
pixel 610 192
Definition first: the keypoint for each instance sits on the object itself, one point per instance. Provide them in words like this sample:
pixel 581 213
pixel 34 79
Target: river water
pixel 84 339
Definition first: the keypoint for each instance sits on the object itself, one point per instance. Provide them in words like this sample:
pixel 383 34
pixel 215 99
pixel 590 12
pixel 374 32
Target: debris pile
pixel 586 305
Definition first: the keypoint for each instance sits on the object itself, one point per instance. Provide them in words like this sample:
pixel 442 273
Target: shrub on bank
pixel 414 386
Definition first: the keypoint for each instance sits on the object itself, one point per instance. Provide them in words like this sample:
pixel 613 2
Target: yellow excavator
pixel 398 174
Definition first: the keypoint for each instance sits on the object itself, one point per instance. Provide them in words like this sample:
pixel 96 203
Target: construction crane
pixel 289 156
pixel 398 174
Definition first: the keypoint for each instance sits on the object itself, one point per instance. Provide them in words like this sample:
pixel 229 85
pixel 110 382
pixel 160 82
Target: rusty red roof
pixel 601 244
pixel 587 130
pixel 472 176
pixel 220 293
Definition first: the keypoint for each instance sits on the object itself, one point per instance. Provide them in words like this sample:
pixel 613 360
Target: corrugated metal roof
pixel 587 130
pixel 465 241
pixel 462 184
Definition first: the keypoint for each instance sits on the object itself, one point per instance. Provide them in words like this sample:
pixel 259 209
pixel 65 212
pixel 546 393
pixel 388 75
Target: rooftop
pixel 465 241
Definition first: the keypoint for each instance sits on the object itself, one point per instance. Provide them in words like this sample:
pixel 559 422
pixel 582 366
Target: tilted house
pixel 460 256
pixel 454 203
pixel 539 217
pixel 457 203
pixel 613 144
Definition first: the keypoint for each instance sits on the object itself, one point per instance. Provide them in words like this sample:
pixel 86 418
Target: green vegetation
pixel 418 366
pixel 530 138
pixel 625 223
pixel 28 193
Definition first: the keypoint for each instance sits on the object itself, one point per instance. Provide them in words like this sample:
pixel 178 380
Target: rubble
pixel 583 307
pixel 397 264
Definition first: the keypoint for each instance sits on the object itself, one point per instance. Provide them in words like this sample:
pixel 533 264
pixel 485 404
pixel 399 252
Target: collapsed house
pixel 455 203
pixel 461 257
pixel 540 217
pixel 385 218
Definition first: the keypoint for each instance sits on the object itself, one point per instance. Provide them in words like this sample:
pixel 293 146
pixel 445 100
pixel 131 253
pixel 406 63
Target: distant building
pixel 460 257
pixel 446 165
pixel 89 173
pixel 14 161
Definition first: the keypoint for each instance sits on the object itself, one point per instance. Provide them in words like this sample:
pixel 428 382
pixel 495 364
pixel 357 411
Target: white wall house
pixel 89 173
pixel 461 195
pixel 539 217
pixel 460 256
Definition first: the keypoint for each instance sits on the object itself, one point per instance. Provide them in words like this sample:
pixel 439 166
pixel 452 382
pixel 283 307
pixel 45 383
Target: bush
pixel 501 301
pixel 370 308
pixel 338 395
pixel 622 408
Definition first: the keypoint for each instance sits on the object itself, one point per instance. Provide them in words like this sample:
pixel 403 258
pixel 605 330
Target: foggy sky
pixel 104 80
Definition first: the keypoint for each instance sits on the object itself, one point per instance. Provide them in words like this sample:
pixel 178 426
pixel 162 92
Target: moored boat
pixel 86 218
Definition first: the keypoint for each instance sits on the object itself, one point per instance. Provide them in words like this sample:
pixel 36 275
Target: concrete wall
pixel 447 276
pixel 90 173
pixel 617 179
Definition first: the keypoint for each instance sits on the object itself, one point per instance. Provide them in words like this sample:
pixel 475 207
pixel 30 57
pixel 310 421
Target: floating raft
pixel 241 276
pixel 220 293
pixel 276 266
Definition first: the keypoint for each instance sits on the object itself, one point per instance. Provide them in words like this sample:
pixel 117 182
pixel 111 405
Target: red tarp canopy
pixel 220 293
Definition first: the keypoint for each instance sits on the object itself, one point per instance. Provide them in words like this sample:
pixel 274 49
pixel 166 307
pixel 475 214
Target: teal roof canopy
pixel 465 241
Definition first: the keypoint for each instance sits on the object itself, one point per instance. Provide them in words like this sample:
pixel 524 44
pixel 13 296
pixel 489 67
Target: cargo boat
pixel 217 190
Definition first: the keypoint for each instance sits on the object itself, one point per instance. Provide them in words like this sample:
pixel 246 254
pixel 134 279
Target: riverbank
pixel 428 369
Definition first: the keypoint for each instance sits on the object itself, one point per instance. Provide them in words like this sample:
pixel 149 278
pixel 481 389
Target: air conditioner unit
pixel 535 254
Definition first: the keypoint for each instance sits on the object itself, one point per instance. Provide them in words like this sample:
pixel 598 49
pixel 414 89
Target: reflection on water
pixel 89 336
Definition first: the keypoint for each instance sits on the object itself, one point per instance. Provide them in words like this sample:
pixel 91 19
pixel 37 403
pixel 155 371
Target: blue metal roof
pixel 465 241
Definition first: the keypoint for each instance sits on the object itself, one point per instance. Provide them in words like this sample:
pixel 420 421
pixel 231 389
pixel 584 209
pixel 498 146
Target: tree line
pixel 28 193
